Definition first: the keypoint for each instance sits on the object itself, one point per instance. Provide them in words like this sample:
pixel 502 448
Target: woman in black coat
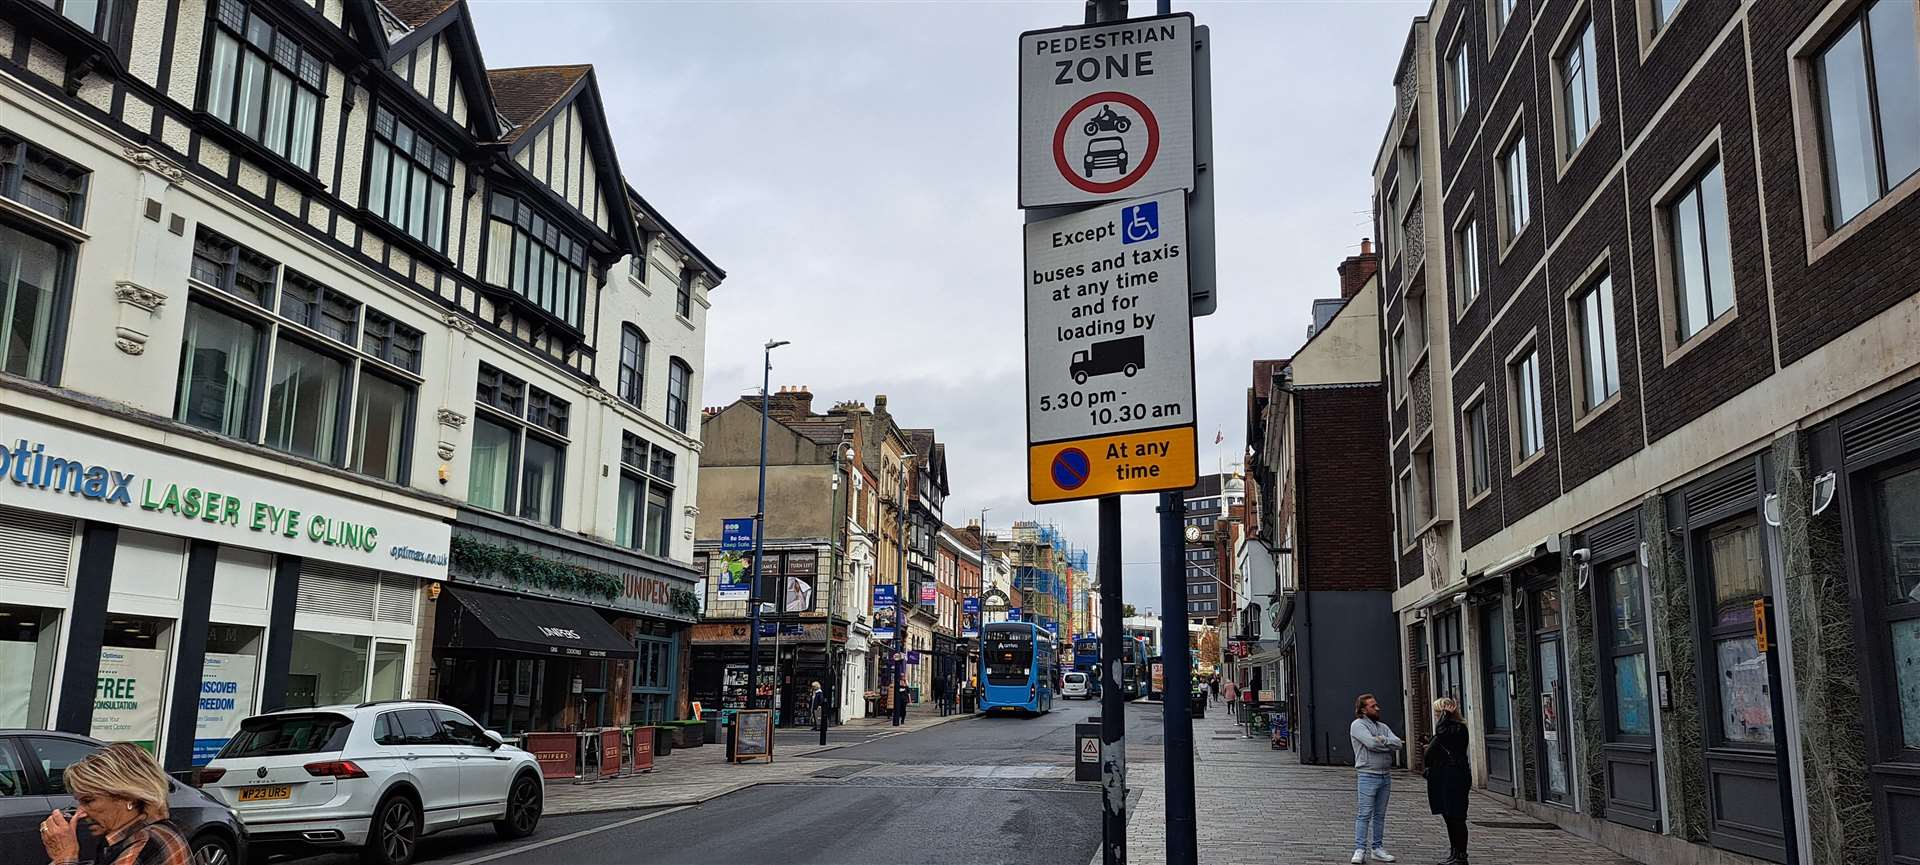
pixel 1449 776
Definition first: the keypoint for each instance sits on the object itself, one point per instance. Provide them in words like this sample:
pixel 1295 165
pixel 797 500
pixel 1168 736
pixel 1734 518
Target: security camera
pixel 1582 555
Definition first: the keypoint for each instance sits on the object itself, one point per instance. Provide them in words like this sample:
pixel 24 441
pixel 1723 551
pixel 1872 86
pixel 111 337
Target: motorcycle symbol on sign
pixel 1108 120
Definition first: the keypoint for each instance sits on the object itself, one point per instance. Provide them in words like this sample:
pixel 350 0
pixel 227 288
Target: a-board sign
pixel 753 735
pixel 1106 110
pixel 1110 405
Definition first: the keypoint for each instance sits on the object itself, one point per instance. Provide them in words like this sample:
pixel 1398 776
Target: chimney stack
pixel 1357 269
pixel 791 403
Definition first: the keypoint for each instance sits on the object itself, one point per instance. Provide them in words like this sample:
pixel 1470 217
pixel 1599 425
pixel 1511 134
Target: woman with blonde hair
pixel 122 790
pixel 1449 776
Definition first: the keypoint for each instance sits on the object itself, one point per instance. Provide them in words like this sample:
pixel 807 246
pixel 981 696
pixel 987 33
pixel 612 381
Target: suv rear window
pixel 307 733
pixel 1077 678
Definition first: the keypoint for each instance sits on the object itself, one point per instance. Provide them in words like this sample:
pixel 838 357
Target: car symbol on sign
pixel 1107 151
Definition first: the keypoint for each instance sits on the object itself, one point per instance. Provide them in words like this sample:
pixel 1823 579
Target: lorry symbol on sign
pixel 1127 355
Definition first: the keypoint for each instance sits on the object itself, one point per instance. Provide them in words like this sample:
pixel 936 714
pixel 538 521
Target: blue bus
pixel 1134 669
pixel 1018 669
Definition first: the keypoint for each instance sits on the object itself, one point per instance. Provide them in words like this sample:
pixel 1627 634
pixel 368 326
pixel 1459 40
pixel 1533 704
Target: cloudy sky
pixel 852 166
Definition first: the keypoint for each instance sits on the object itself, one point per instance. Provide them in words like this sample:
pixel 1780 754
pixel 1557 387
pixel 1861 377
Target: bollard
pixel 1086 746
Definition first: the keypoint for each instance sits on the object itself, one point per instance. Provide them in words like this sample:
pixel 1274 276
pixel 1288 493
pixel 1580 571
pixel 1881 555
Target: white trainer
pixel 1359 855
pixel 1380 854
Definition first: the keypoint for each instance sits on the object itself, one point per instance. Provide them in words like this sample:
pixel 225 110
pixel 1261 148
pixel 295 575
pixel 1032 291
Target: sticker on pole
pixel 1106 111
pixel 1110 405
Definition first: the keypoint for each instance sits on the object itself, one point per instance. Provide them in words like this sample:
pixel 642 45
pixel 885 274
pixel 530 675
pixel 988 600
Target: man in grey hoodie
pixel 1374 749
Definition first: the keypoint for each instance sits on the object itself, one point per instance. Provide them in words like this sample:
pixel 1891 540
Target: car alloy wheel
pixel 211 851
pixel 523 808
pixel 398 831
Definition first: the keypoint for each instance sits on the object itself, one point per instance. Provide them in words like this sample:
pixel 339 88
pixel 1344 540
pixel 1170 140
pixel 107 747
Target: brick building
pixel 1320 629
pixel 1649 330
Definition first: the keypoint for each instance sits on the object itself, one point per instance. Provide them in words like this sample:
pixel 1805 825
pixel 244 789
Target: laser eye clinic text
pixel 29 465
pixel 1086 69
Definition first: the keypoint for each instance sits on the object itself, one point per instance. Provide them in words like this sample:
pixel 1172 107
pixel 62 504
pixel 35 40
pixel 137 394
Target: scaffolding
pixel 1043 565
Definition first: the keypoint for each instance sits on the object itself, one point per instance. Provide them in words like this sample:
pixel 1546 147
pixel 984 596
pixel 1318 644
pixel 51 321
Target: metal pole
pixel 759 539
pixel 900 612
pixel 833 576
pixel 1113 703
pixel 1177 664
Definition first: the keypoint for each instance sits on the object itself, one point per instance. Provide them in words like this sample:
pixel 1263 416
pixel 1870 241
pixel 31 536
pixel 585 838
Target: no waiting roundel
pixel 1106 142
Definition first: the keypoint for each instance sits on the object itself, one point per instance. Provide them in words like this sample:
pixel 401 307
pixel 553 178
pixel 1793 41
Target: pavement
pixel 1259 806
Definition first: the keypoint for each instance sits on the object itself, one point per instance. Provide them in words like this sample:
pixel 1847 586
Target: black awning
pixel 486 620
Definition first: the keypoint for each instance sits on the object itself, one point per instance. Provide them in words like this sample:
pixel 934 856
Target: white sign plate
pixel 1106 111
pixel 1109 341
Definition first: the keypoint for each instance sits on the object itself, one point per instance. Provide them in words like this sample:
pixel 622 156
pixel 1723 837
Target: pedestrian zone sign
pixel 1106 110
pixel 1110 407
pixel 1089 750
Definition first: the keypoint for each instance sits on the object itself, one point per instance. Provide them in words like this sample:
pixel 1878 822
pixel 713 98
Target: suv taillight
pixel 207 775
pixel 336 769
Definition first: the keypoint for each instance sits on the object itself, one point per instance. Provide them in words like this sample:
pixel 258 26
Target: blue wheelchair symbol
pixel 1140 222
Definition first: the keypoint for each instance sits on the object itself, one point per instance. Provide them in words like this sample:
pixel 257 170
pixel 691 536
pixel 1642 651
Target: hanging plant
pixel 685 602
pixel 522 568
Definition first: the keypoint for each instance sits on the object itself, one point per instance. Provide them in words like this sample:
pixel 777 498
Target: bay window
pixel 264 83
pixel 410 180
pixel 532 257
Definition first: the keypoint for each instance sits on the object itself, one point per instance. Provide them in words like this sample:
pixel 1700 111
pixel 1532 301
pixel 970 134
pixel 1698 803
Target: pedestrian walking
pixel 123 792
pixel 817 702
pixel 1213 685
pixel 1374 749
pixel 1448 776
pixel 1232 693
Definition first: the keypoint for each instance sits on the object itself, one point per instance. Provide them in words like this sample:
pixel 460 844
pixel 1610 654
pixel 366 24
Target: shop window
pixel 134 672
pixel 410 180
pixel 1493 662
pixel 326 669
pixel 229 679
pixel 29 643
pixel 1631 710
pixel 1867 84
pixel 389 672
pixel 264 83
pixel 532 257
pixel 1736 579
pixel 33 275
pixel 1895 499
pixel 516 466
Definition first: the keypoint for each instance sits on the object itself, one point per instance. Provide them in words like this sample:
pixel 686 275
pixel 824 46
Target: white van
pixel 1075 686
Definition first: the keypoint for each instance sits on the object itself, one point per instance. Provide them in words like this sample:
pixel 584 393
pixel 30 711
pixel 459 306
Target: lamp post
pixel 760 534
pixel 900 607
pixel 835 552
pixel 978 590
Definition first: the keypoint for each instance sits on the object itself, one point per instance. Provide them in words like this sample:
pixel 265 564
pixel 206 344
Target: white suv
pixel 376 776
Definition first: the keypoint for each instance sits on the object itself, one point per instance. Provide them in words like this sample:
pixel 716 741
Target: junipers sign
pixel 79 474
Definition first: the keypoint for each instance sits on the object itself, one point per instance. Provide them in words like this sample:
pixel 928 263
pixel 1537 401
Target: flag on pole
pixel 1219 436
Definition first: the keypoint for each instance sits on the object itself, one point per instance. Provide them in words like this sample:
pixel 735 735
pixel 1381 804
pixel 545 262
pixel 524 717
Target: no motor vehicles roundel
pixel 1106 142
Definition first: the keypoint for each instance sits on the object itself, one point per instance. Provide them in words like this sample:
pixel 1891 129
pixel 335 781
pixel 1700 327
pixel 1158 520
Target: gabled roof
pixel 417 12
pixel 826 432
pixel 526 95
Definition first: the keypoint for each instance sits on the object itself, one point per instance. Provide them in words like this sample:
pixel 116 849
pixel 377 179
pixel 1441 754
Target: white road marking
pixel 572 835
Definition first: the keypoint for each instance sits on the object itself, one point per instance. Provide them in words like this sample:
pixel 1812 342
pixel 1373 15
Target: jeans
pixel 1372 807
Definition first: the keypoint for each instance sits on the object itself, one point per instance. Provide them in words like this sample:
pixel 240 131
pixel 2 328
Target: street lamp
pixel 899 606
pixel 760 533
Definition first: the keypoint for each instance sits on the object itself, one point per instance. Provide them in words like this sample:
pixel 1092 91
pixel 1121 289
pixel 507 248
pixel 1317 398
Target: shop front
pixel 793 655
pixel 159 598
pixel 537 631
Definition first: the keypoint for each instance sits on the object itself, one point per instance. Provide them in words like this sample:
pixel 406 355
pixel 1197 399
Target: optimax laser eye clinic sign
pixel 77 474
